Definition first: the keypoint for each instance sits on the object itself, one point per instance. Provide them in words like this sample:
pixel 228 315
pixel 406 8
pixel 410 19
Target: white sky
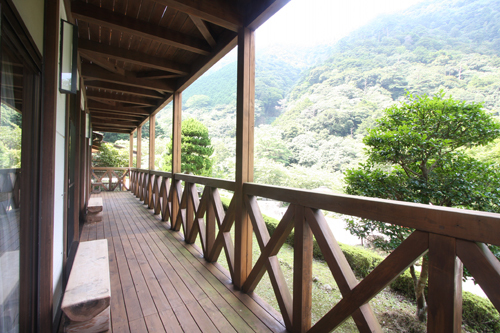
pixel 311 22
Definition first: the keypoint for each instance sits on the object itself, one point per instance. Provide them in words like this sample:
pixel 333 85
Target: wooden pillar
pixel 445 286
pixel 176 132
pixel 244 152
pixel 176 156
pixel 139 152
pixel 131 151
pixel 47 160
pixel 152 142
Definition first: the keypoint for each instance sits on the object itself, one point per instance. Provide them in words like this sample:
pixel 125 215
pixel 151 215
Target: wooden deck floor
pixel 160 284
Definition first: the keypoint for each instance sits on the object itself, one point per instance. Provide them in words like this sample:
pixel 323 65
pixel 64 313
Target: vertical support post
pixel 176 154
pixel 139 144
pixel 244 152
pixel 152 142
pixel 176 133
pixel 131 151
pixel 302 273
pixel 445 286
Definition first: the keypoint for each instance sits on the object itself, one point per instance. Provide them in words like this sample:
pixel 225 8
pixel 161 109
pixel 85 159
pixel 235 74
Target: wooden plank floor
pixel 161 284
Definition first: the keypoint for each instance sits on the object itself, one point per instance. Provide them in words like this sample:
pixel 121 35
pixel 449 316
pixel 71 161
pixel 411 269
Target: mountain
pixel 278 68
pixel 313 106
pixel 446 45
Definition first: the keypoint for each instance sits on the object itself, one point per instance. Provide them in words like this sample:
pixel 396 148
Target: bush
pixel 225 202
pixel 479 314
pixel 404 285
pixel 361 261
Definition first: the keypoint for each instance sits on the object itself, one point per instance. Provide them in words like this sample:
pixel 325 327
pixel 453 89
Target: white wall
pixel 59 191
pixel 31 12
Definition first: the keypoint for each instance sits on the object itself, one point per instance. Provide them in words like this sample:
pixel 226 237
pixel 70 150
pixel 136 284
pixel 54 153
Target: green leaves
pixel 417 154
pixel 196 148
pixel 110 156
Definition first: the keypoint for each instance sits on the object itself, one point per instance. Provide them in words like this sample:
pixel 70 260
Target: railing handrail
pixel 206 181
pixel 454 222
pixel 111 168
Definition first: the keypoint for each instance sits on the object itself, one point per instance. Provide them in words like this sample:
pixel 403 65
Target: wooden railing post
pixel 302 273
pixel 445 286
pixel 244 152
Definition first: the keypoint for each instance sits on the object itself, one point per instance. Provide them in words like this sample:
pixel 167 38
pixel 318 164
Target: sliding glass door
pixel 20 104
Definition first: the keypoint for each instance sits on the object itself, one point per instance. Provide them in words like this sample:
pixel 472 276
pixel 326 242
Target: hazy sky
pixel 309 22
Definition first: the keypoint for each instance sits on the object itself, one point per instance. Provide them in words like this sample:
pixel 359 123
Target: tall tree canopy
pixel 110 156
pixel 416 154
pixel 196 149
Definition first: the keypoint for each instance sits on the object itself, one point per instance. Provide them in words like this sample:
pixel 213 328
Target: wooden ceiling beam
pixel 114 123
pixel 103 62
pixel 261 10
pixel 124 89
pixel 218 12
pixel 112 130
pixel 115 21
pixel 94 72
pixel 117 97
pixel 202 27
pixel 92 105
pixel 157 75
pixel 109 116
pixel 227 41
pixel 137 58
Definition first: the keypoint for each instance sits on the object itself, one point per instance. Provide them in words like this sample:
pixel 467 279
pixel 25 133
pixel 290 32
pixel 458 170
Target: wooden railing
pixel 110 179
pixel 448 236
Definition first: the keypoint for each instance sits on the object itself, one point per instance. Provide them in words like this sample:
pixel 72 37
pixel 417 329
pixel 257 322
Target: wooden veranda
pixel 161 284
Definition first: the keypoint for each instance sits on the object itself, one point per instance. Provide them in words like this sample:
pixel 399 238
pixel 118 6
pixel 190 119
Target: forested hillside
pixel 446 45
pixel 313 106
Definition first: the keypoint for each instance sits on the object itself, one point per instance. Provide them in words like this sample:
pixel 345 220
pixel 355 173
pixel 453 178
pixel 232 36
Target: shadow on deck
pixel 160 284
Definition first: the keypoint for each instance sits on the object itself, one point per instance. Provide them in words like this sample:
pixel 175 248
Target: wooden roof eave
pixel 149 80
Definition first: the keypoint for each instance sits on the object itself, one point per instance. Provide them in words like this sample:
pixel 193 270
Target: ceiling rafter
pixel 103 62
pixel 132 57
pixel 157 75
pixel 218 12
pixel 119 97
pixel 124 89
pixel 112 130
pixel 202 27
pixel 92 105
pixel 114 123
pixel 97 73
pixel 110 19
pixel 107 115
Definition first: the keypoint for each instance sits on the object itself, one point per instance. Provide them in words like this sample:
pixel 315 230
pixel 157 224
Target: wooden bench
pixel 88 293
pixel 94 210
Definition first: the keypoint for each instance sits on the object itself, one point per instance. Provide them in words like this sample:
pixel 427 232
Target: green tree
pixel 196 149
pixel 110 156
pixel 416 154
